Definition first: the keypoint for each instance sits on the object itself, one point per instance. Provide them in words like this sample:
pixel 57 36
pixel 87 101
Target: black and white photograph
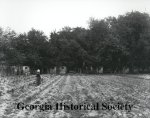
pixel 74 58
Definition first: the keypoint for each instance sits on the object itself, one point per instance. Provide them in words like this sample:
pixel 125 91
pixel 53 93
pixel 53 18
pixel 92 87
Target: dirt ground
pixel 77 90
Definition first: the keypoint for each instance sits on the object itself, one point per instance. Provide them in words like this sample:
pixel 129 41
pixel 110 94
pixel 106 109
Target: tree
pixel 37 48
pixel 131 28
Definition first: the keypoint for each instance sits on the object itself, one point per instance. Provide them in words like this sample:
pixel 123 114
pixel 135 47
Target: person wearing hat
pixel 38 77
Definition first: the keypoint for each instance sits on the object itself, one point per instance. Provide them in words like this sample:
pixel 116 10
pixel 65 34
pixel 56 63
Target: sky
pixel 53 15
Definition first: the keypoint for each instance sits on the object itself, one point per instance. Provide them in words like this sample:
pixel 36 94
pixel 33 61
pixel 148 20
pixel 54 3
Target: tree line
pixel 113 43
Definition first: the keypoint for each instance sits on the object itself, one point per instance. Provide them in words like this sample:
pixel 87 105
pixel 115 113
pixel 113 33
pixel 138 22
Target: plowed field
pixel 76 90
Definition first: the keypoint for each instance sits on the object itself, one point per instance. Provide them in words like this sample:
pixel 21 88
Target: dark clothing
pixel 38 79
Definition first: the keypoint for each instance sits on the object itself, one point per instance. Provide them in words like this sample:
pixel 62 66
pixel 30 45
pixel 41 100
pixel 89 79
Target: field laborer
pixel 38 77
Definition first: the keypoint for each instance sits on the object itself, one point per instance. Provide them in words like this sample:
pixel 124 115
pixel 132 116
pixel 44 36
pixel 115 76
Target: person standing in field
pixel 38 77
